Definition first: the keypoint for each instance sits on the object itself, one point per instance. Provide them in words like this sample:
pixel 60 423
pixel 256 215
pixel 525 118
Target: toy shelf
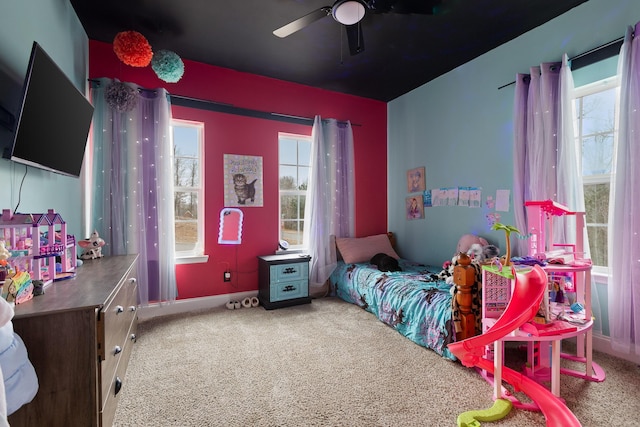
pixel 24 238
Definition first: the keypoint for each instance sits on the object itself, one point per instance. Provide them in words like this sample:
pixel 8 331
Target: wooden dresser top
pixel 92 287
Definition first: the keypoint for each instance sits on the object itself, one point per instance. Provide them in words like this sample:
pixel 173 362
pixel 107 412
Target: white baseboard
pixel 603 344
pixel 191 304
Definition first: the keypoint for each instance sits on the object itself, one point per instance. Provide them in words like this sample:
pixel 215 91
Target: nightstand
pixel 283 280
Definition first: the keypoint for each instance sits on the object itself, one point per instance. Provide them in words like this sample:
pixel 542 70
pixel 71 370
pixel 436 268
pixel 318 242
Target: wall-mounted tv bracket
pixel 7 119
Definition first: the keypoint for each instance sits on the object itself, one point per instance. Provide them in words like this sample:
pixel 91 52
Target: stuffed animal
pixel 475 252
pixel 4 264
pixel 385 262
pixel 483 254
pixel 38 288
pixel 4 253
pixel 465 242
pixel 447 269
pixel 92 247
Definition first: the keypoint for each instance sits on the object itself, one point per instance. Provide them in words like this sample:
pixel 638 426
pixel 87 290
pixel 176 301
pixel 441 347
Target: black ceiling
pixel 402 51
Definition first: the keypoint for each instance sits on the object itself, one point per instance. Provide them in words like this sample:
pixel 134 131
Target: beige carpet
pixel 328 363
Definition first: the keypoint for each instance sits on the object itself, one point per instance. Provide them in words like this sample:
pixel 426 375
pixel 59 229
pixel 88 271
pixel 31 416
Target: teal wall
pixel 54 25
pixel 460 126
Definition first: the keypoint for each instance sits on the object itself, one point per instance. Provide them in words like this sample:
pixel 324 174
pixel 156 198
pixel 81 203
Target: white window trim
pixel 599 273
pixel 293 248
pixel 196 255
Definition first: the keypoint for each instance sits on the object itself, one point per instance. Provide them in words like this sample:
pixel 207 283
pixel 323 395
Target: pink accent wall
pixel 232 134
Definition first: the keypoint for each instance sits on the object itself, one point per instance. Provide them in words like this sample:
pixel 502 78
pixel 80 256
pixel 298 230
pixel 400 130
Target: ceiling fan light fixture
pixel 348 12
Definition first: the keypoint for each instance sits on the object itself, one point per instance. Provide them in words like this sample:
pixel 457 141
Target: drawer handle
pixel 119 309
pixel 117 350
pixel 133 337
pixel 289 270
pixel 288 288
pixel 118 385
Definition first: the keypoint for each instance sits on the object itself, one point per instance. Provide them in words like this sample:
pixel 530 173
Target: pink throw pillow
pixel 362 249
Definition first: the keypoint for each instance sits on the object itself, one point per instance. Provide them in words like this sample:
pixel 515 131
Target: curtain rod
pixel 219 107
pixel 202 104
pixel 596 54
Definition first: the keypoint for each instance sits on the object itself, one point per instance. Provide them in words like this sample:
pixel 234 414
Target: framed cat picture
pixel 243 181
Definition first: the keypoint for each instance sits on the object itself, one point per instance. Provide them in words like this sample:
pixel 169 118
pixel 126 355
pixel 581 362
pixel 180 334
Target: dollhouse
pixel 565 311
pixel 34 241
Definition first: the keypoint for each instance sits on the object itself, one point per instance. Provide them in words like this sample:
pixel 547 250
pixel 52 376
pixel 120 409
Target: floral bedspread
pixel 415 301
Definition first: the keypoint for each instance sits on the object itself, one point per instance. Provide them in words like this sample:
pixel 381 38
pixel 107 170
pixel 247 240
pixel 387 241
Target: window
pixel 294 157
pixel 188 187
pixel 595 116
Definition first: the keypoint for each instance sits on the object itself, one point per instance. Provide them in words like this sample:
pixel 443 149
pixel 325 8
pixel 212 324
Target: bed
pixel 421 302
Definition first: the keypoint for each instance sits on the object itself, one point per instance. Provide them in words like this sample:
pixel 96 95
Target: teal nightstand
pixel 283 280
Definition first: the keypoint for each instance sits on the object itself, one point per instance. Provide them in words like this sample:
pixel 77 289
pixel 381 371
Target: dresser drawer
pixel 289 290
pixel 118 317
pixel 289 272
pixel 116 382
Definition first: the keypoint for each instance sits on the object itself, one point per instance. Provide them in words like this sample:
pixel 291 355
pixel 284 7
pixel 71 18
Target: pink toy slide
pixel 528 291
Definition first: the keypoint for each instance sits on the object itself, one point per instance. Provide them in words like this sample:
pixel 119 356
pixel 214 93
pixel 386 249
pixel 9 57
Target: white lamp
pixel 348 12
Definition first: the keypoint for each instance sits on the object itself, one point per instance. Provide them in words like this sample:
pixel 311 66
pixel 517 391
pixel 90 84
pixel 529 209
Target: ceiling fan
pixel 351 12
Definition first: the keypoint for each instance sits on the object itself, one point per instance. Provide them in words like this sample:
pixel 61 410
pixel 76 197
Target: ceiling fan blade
pixel 300 23
pixel 354 38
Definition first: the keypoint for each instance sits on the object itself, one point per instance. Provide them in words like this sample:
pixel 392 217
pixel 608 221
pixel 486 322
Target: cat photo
pixel 244 190
pixel 243 181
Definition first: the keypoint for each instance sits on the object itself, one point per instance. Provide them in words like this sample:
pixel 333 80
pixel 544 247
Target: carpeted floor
pixel 328 363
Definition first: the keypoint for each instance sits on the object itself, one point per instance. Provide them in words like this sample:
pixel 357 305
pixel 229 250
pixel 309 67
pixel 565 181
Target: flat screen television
pixel 54 119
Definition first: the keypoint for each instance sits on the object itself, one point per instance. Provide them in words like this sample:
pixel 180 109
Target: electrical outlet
pixel 227 276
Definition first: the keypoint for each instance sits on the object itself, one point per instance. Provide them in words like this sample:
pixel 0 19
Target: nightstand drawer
pixel 289 290
pixel 289 272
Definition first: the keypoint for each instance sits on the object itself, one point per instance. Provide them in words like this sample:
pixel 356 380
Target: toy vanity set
pixel 35 251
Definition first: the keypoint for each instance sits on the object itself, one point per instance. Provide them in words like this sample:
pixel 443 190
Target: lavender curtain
pixel 330 202
pixel 570 186
pixel 624 205
pixel 132 188
pixel 545 153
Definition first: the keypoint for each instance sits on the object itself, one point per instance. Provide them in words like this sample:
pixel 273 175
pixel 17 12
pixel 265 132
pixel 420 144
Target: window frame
pixel 297 192
pixel 197 254
pixel 579 93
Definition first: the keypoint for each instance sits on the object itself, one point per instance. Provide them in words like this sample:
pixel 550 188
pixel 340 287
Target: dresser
pixel 283 280
pixel 79 337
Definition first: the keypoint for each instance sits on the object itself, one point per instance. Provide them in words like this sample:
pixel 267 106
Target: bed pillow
pixel 362 249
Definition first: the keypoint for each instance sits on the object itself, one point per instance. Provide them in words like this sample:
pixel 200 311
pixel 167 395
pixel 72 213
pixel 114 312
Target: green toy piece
pixel 499 410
